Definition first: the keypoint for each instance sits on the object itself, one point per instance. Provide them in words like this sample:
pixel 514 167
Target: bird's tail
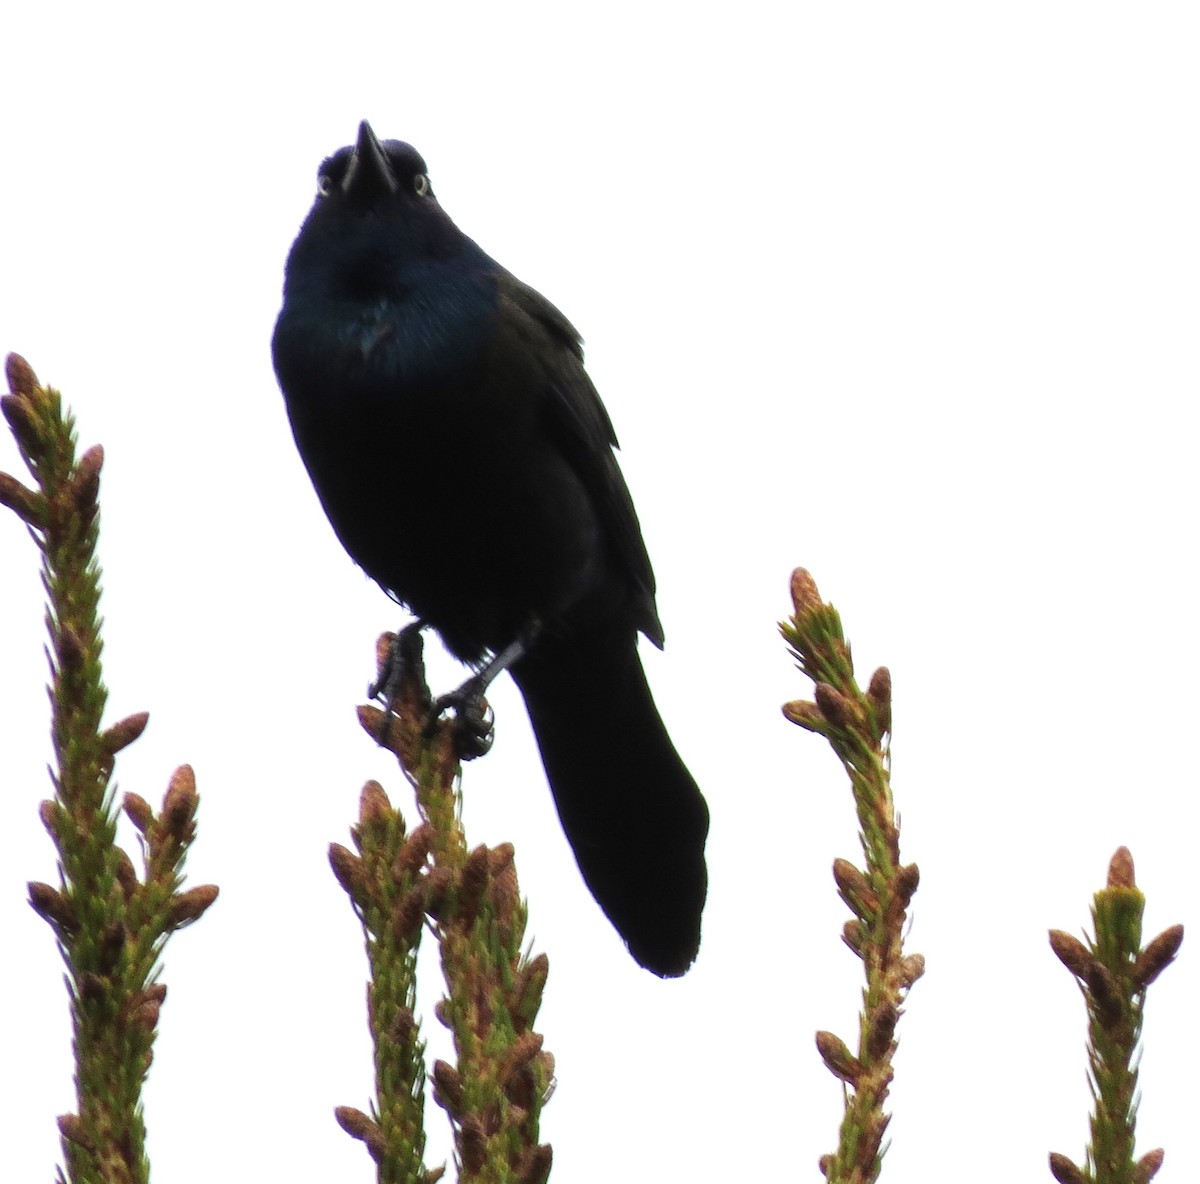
pixel 631 811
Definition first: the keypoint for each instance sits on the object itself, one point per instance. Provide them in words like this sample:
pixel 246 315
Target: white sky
pixel 906 293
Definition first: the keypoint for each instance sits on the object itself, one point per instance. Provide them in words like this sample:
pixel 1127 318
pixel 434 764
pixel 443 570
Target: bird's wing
pixel 583 431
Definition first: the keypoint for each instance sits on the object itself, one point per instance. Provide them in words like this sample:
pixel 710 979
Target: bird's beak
pixel 369 174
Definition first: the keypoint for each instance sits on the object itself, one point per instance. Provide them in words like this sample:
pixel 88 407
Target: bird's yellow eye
pixel 421 184
pixel 324 185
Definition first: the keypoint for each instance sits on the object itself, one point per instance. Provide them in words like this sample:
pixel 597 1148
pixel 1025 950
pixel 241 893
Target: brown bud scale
pixel 805 595
pixel 1064 1170
pixel 179 802
pixel 85 482
pixel 806 714
pixel 1072 953
pixel 534 1166
pixel 472 1144
pixel 27 503
pixel 21 378
pixel 53 906
pixel 1157 956
pixel 70 1126
pixel 1120 869
pixel 374 805
pixel 838 1058
pixel 1147 1167
pixel 124 732
pixel 191 905
pixel 837 708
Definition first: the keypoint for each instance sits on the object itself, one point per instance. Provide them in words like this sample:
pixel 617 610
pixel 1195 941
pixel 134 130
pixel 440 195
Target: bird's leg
pixel 404 653
pixel 474 728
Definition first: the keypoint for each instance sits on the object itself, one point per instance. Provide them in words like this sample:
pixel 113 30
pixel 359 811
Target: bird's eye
pixel 324 185
pixel 421 184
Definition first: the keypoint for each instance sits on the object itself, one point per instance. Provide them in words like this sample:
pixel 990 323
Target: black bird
pixel 466 463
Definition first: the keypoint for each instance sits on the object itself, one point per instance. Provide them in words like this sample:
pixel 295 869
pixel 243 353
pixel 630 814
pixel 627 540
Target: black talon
pixel 474 723
pixel 404 654
pixel 474 726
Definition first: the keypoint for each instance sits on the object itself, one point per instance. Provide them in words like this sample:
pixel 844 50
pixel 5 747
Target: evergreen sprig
pixel 1114 972
pixel 470 900
pixel 110 925
pixel 857 725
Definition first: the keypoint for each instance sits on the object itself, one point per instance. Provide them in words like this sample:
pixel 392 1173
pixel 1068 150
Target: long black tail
pixel 631 811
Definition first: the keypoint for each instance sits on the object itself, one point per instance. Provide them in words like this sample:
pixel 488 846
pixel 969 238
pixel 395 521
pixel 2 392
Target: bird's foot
pixel 474 723
pixel 402 657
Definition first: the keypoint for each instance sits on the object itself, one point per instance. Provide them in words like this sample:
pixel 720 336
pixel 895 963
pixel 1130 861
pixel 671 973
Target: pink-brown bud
pixel 527 993
pixel 52 816
pixel 20 375
pixel 372 721
pixel 449 1087
pixel 358 1126
pixel 125 874
pixel 835 707
pixel 191 905
pixel 520 1053
pixel 404 1028
pixel 138 811
pixel 179 804
pixel 805 595
pixel 409 914
pixel 145 1015
pixel 1072 953
pixel 907 879
pixel 854 889
pixel 1064 1170
pixel 879 696
pixel 438 882
pixel 1147 1167
pixel 854 935
pixel 911 968
pixel 18 411
pixel 881 1030
pixel 473 885
pixel 1157 956
pixel 534 1166
pixel 70 1126
pixel 472 1144
pixel 373 805
pixel 348 869
pixel 28 504
pixel 124 732
pixel 838 1058
pixel 806 714
pixel 413 853
pixel 501 859
pixel 1120 869
pixel 85 483
pixel 53 906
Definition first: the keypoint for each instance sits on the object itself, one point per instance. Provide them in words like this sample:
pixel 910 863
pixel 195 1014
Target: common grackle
pixel 466 463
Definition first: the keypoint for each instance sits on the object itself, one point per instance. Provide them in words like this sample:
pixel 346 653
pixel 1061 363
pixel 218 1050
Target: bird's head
pixel 375 211
pixel 373 175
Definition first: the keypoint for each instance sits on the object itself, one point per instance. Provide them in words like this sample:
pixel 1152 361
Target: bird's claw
pixel 474 723
pixel 402 657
